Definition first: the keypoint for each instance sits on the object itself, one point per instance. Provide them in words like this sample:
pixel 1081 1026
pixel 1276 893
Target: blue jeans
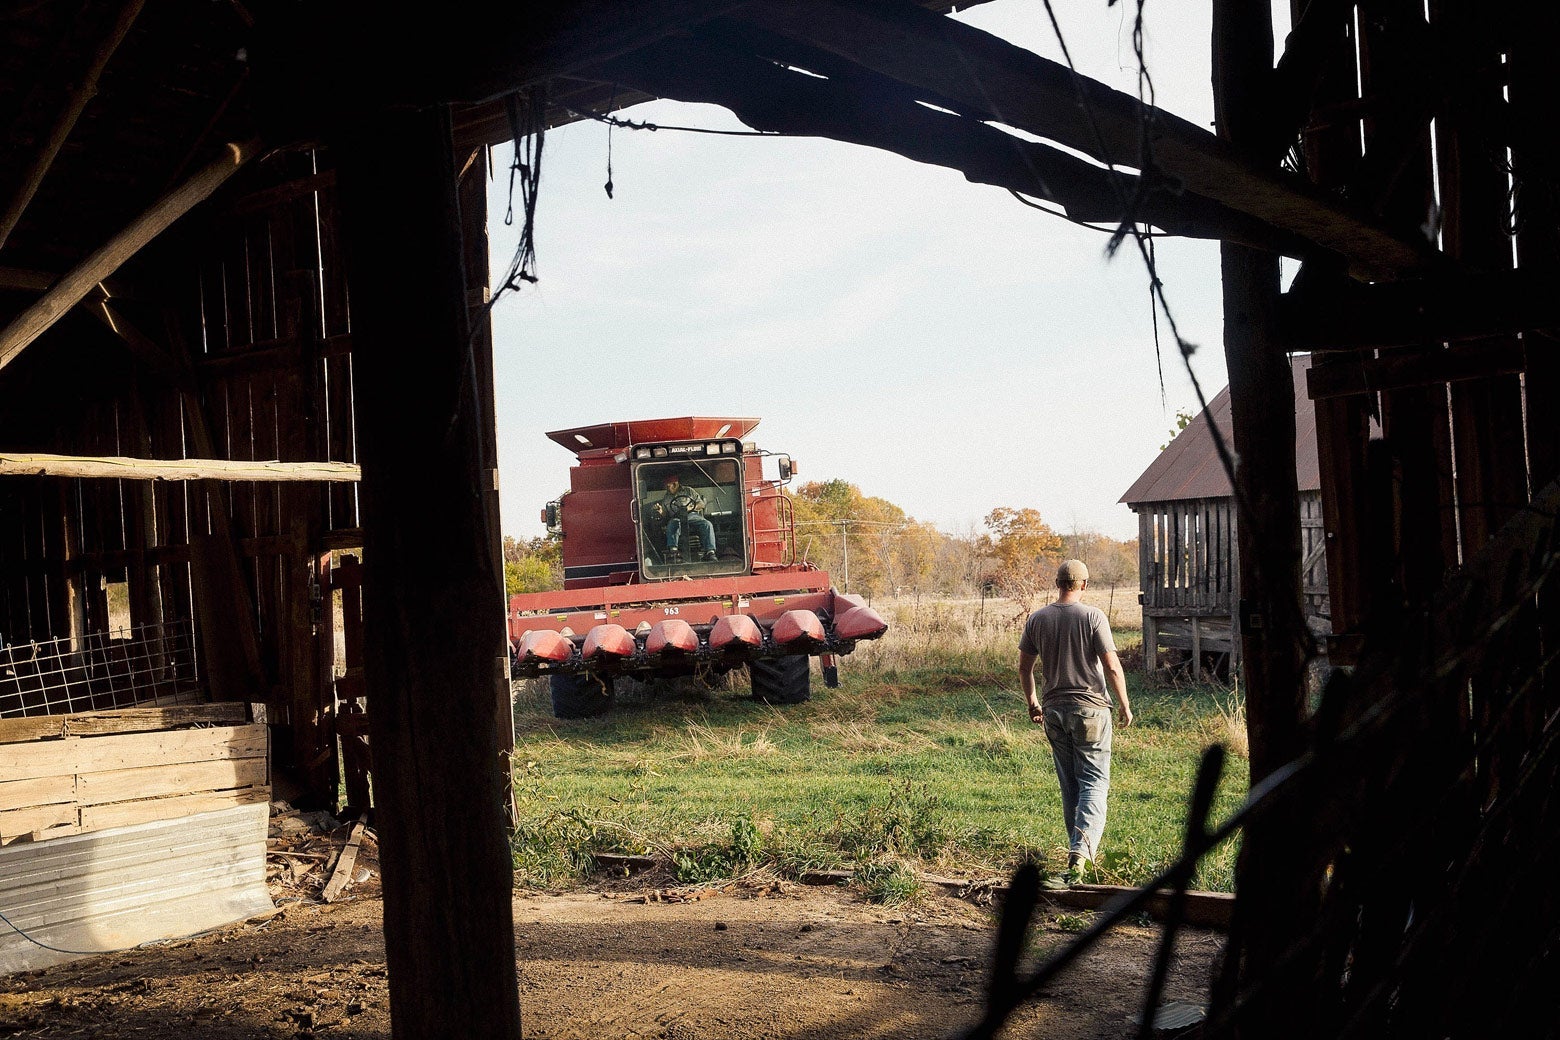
pixel 1080 748
pixel 698 524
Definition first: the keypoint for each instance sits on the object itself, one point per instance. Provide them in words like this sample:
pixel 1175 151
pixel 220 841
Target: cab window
pixel 690 517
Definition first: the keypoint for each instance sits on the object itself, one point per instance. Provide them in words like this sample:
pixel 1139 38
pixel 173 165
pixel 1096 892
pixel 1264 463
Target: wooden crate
pixel 123 827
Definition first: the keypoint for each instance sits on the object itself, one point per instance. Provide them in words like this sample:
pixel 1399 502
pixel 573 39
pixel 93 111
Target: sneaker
pixel 1057 883
pixel 708 557
pixel 674 556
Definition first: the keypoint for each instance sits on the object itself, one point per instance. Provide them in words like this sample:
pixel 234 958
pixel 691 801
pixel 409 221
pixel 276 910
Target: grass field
pixel 922 760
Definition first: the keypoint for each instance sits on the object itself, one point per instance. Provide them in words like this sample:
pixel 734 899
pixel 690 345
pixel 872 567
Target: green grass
pixel 923 759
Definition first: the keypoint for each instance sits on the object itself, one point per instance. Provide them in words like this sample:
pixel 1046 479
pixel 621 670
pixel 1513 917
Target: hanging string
pixel 528 126
pixel 611 125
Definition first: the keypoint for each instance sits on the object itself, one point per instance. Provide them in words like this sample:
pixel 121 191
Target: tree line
pixel 875 549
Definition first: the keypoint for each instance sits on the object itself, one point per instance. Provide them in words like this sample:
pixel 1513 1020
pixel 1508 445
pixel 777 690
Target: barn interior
pixel 246 379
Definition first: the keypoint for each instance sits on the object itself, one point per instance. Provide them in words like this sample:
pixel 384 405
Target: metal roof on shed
pixel 1190 468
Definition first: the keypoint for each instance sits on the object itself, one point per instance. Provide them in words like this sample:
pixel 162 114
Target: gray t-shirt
pixel 1069 639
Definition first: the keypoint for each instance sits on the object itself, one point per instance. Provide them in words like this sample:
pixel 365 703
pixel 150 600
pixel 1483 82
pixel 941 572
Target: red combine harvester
pixel 679 558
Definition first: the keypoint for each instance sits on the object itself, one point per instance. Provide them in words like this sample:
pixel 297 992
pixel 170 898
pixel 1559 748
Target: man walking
pixel 1072 643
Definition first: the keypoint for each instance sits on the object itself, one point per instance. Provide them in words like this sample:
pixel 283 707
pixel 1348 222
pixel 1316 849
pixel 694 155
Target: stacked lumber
pixel 72 774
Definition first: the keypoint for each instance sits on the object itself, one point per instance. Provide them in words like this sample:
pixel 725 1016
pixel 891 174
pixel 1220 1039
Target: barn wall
pixel 237 345
pixel 1189 574
pixel 1188 555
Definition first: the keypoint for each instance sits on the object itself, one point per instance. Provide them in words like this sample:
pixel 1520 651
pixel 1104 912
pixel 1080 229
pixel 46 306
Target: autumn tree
pixel 855 537
pixel 533 566
pixel 1022 548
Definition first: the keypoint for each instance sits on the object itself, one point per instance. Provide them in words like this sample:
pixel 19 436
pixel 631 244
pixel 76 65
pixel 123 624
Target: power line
pixel 859 523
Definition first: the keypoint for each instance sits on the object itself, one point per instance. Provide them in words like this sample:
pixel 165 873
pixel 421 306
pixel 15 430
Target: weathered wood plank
pixel 126 750
pixel 125 814
pixel 40 821
pixel 341 875
pixel 126 785
pixel 43 790
pixel 35 464
pixel 124 720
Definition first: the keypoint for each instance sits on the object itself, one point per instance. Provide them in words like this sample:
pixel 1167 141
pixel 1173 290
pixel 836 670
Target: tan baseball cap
pixel 1072 570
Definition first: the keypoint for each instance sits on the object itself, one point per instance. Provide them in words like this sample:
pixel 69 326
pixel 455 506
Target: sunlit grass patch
pixel 923 757
pixel 857 737
pixel 701 741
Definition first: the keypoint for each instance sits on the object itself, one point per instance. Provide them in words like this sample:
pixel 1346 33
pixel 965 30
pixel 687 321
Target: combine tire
pixel 780 680
pixel 580 696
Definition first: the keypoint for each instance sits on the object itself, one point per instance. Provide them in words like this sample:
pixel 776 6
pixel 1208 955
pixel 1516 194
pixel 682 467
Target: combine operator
pixel 682 505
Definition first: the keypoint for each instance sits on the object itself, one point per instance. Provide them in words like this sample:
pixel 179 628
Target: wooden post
pixel 1274 904
pixel 1196 648
pixel 473 213
pixel 1535 79
pixel 431 586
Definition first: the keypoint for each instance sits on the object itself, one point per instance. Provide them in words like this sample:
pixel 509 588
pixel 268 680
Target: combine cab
pixel 679 558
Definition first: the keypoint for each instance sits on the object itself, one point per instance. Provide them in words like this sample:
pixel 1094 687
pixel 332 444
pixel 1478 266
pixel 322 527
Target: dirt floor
pixel 630 957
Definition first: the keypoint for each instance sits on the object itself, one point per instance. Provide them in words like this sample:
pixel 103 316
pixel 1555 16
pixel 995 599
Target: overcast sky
pixel 932 341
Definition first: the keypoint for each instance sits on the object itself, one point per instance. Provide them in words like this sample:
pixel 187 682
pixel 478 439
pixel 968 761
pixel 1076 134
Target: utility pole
pixel 845 552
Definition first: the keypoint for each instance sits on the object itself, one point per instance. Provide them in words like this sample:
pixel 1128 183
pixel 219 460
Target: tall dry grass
pixel 977 640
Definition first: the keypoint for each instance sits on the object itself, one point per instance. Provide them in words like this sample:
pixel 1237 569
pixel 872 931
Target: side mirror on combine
pixel 550 515
pixel 788 468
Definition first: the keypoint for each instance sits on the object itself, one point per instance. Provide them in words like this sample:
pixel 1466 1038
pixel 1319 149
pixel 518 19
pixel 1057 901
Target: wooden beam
pixel 983 75
pixel 474 221
pixel 1277 882
pixel 146 350
pixel 435 643
pixel 74 286
pixel 27 279
pixel 1324 315
pixel 108 466
pixel 81 92
pixel 1400 371
pixel 878 112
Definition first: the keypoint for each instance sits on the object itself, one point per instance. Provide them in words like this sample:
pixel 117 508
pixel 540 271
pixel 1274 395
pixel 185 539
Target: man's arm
pixel 1026 682
pixel 1117 677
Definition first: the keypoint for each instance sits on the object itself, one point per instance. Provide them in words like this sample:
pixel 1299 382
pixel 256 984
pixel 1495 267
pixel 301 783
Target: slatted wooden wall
pixel 1187 555
pixel 251 310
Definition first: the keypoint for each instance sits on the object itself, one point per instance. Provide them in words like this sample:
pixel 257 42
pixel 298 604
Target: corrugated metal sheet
pixel 1189 466
pixel 116 889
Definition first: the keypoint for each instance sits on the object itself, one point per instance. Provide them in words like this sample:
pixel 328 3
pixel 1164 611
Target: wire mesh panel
pixel 147 664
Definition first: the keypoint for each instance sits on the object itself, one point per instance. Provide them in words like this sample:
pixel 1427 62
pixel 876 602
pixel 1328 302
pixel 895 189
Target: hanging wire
pixel 1128 225
pixel 528 126
pixel 630 124
pixel 1032 204
pixel 1142 239
pixel 611 104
